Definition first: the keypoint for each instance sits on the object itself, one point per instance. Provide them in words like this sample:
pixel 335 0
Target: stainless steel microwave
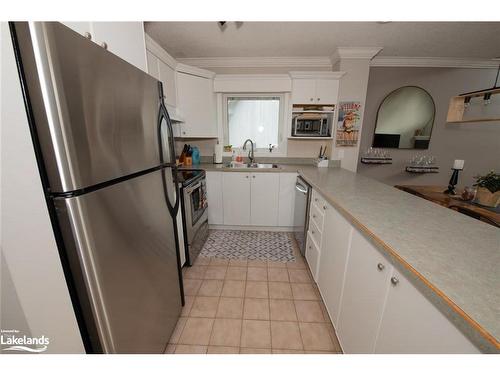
pixel 312 124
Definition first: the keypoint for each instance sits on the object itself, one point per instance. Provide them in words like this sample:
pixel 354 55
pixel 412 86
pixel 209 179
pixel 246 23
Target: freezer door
pixel 96 115
pixel 120 242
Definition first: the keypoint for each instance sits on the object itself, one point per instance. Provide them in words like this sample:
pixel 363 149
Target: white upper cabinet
pixel 264 199
pixel 365 287
pixel 315 87
pixel 413 325
pixel 153 68
pixel 167 77
pixel 196 104
pixel 124 39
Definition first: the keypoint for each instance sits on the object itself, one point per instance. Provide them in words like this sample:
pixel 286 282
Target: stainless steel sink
pixel 252 166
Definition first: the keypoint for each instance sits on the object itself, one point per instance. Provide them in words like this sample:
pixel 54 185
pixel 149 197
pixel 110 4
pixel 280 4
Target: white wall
pixel 27 244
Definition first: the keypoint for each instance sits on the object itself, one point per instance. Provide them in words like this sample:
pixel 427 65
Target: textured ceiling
pixel 256 39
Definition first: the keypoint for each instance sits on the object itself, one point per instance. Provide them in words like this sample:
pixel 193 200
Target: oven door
pixel 195 203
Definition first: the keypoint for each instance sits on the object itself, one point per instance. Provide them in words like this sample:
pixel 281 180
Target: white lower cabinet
pixel 236 198
pixel 264 193
pixel 286 204
pixel 334 251
pixel 411 324
pixel 365 287
pixel 312 256
pixel 214 197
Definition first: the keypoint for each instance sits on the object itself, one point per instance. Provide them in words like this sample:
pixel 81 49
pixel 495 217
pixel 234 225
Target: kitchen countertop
pixel 452 259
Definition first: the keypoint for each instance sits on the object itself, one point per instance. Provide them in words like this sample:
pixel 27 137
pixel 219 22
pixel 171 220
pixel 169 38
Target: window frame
pixel 280 150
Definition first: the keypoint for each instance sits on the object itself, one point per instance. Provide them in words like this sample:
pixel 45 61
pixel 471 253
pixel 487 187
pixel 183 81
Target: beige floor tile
pixel 299 276
pixel 191 286
pixel 238 263
pixel 191 349
pixel 215 272
pixel 309 311
pixel 236 273
pixel 304 292
pixel 256 289
pixel 256 263
pixel 196 331
pixel 223 349
pixel 211 288
pixel 188 303
pixel 316 336
pixel 280 290
pixel 256 334
pixel 226 332
pixel 285 335
pixel 195 272
pixel 202 261
pixel 230 308
pixel 254 351
pixel 287 351
pixel 283 310
pixel 278 274
pixel 170 349
pixel 273 264
pixel 326 316
pixel 298 264
pixel 233 288
pixel 336 345
pixel 256 308
pixel 219 262
pixel 257 274
pixel 204 307
pixel 319 352
pixel 181 322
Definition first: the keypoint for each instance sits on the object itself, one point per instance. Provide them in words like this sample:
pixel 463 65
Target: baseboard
pixel 251 227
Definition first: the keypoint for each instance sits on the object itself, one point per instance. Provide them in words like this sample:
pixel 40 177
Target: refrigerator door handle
pixel 163 115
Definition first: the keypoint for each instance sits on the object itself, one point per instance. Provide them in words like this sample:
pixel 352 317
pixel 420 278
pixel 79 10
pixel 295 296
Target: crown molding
pixel 194 71
pixel 365 53
pixel 316 75
pixel 258 62
pixel 433 62
pixel 153 47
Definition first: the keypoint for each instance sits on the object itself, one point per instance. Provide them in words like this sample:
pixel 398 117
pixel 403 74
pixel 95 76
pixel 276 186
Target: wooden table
pixel 435 194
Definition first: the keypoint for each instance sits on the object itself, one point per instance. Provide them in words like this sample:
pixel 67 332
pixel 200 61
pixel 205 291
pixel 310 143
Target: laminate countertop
pixel 451 258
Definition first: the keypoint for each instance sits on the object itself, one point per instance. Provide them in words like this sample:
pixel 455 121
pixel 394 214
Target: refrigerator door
pixel 120 241
pixel 96 115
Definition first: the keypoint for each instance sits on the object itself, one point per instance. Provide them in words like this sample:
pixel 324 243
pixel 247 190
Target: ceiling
pixel 280 39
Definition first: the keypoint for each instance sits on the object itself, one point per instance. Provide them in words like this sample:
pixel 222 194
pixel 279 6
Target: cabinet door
pixel 326 91
pixel 167 77
pixel 152 65
pixel 286 202
pixel 236 193
pixel 312 256
pixel 124 39
pixel 215 198
pixel 195 100
pixel 411 324
pixel 264 199
pixel 304 91
pixel 365 289
pixel 80 27
pixel 336 240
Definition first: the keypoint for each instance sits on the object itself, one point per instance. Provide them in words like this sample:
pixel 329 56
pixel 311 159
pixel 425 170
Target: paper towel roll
pixel 218 153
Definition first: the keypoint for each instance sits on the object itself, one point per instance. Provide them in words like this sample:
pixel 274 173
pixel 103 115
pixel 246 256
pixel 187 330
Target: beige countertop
pixel 453 259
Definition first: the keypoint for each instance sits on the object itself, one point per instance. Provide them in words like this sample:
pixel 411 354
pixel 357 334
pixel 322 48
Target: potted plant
pixel 488 189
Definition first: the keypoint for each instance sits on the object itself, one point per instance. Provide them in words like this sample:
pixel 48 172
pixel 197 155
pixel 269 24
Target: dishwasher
pixel 301 213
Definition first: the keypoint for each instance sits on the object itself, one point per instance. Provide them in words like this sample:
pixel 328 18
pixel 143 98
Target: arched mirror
pixel 405 119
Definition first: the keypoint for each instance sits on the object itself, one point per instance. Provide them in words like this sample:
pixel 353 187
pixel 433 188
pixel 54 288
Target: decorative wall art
pixel 348 123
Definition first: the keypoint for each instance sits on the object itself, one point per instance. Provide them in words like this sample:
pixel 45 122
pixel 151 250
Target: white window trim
pixel 282 126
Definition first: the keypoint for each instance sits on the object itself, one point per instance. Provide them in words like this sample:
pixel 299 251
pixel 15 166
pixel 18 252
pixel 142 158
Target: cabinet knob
pixel 324 207
pixel 314 216
pixel 87 35
pixel 183 132
pixel 313 232
pixel 380 266
pixel 319 99
pixel 312 99
pixel 104 45
pixel 315 199
pixel 246 176
pixel 253 176
pixel 394 280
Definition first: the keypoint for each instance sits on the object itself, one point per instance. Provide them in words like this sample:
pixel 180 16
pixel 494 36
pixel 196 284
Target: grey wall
pixel 476 143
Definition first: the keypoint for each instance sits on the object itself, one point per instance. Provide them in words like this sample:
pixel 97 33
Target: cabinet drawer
pixel 315 233
pixel 318 200
pixel 317 215
pixel 312 256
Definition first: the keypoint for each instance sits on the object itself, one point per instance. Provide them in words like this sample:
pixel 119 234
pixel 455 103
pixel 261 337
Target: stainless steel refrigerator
pixel 105 149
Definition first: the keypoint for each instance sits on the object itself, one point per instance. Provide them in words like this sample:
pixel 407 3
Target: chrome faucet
pixel 250 153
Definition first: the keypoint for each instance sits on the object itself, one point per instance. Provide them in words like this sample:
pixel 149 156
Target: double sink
pixel 250 165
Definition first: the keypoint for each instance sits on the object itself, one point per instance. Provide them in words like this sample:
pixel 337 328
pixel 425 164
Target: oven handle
pixel 190 189
pixel 300 188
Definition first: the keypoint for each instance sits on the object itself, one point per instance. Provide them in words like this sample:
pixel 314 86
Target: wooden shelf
pixel 456 107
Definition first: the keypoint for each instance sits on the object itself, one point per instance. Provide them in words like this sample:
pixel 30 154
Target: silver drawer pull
pixel 314 216
pixel 104 45
pixel 324 207
pixel 380 266
pixel 394 280
pixel 313 232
